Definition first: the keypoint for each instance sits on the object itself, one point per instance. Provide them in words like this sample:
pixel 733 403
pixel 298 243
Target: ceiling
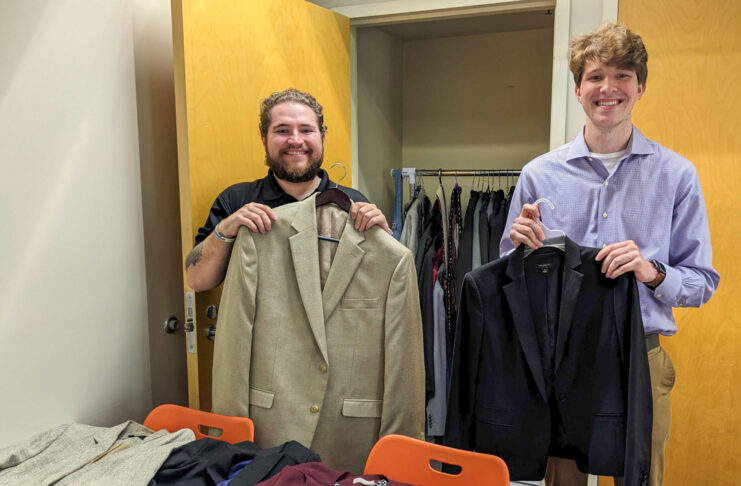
pixel 454 27
pixel 342 3
pixel 486 24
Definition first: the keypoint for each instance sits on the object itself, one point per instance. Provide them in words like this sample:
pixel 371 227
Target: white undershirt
pixel 609 160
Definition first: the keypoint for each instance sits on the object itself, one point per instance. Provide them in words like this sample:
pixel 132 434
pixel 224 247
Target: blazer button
pixel 314 409
pixel 563 398
pixel 323 368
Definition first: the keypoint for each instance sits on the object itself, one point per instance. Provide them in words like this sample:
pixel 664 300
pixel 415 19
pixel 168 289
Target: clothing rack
pixel 412 173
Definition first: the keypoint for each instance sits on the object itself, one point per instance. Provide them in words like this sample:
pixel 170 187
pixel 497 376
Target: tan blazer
pixel 334 368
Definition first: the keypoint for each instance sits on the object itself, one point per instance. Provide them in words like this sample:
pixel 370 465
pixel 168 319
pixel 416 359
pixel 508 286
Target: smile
pixel 295 152
pixel 608 103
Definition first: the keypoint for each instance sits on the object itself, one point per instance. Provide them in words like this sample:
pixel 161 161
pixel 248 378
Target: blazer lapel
pixel 570 289
pixel 305 254
pixel 345 263
pixel 519 304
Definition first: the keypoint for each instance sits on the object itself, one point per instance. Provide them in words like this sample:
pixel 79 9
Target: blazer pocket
pixel 359 303
pixel 495 416
pixel 261 398
pixel 353 407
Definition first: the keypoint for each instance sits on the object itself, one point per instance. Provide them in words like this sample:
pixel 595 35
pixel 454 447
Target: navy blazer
pixel 501 400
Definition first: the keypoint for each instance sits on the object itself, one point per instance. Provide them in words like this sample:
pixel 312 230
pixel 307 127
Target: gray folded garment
pixel 127 454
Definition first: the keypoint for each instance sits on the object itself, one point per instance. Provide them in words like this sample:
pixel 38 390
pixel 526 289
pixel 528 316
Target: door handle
pixel 172 324
pixel 210 332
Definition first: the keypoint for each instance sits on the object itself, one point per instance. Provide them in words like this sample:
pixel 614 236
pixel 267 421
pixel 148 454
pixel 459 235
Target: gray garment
pixel 437 406
pixel 476 248
pixel 410 231
pixel 76 454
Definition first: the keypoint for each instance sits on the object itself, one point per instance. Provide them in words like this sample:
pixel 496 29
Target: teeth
pixel 294 152
pixel 607 103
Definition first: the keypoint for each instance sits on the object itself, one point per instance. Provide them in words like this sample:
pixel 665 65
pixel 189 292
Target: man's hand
pixel 367 215
pixel 526 228
pixel 255 216
pixel 623 257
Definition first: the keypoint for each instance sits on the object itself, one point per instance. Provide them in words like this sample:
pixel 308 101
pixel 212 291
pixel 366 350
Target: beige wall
pixel 470 102
pixel 476 102
pixel 379 101
pixel 73 303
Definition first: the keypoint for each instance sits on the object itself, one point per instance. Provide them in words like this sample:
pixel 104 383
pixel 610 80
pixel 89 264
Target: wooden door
pixel 692 105
pixel 228 56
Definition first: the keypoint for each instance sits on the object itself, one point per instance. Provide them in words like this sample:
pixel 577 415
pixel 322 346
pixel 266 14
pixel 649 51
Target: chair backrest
pixel 408 460
pixel 203 424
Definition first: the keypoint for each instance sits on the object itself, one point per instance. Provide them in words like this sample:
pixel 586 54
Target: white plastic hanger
pixel 554 238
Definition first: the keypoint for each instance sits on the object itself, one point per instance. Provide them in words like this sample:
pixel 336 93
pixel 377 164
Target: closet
pixel 466 93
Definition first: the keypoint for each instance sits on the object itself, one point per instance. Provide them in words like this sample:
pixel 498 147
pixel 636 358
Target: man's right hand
pixel 255 216
pixel 526 228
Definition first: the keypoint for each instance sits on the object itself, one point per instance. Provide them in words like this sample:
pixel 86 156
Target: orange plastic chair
pixel 407 460
pixel 174 417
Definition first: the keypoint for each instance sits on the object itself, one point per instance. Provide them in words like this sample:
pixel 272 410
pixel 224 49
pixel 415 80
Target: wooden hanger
pixel 333 196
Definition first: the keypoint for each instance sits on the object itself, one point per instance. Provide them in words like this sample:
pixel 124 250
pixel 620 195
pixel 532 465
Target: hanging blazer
pixel 501 400
pixel 333 368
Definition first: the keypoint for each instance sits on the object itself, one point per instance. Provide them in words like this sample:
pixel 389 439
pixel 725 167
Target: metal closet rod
pixel 466 172
pixel 412 173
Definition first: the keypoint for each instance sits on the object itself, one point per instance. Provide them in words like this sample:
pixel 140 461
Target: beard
pixel 287 173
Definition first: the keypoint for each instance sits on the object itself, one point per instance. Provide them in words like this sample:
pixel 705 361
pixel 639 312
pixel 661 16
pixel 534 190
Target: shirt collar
pixel 271 190
pixel 638 144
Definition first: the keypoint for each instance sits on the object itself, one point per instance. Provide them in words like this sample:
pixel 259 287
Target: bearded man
pixel 292 131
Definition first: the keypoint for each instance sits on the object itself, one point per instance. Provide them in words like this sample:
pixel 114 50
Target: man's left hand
pixel 623 257
pixel 367 215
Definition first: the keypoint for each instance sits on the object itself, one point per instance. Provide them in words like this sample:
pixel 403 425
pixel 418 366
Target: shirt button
pixel 604 215
pixel 604 245
pixel 607 183
pixel 658 296
pixel 590 159
pixel 314 409
pixel 323 368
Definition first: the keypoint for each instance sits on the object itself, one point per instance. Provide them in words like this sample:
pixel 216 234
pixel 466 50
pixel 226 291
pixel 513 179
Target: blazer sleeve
pixel 459 424
pixel 233 342
pixel 640 403
pixel 404 372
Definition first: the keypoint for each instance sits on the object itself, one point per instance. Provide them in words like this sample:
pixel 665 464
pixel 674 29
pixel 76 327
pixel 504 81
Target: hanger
pixel 333 196
pixel 554 238
pixel 344 174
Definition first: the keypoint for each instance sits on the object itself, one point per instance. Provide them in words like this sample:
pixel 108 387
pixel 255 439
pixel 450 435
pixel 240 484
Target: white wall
pixel 73 317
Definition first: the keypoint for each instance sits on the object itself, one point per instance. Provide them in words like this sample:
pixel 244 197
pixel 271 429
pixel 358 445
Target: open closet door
pixel 228 56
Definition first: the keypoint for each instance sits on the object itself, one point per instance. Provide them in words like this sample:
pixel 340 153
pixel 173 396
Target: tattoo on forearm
pixel 194 256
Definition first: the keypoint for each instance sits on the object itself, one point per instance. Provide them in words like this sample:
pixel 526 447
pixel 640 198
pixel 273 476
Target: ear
pixel 577 92
pixel 641 89
pixel 264 140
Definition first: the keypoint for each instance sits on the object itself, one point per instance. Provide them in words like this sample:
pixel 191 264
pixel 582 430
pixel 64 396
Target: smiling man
pixel 292 131
pixel 639 202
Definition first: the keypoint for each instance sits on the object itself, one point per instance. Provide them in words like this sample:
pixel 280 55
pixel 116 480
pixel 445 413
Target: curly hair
pixel 290 95
pixel 611 44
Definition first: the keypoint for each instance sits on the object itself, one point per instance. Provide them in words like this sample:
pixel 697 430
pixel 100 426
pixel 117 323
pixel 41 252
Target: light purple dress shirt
pixel 653 198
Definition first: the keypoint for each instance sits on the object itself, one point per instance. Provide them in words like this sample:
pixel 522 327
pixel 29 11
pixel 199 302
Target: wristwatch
pixel 659 276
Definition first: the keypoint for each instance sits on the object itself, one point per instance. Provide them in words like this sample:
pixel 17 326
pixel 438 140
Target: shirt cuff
pixel 668 290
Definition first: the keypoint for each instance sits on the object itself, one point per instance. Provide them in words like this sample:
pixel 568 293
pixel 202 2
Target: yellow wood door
pixel 228 56
pixel 692 105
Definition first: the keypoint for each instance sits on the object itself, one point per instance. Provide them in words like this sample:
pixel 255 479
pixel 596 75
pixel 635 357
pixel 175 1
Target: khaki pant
pixel 563 472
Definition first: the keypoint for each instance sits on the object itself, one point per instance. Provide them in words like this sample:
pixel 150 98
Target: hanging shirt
pixel 653 198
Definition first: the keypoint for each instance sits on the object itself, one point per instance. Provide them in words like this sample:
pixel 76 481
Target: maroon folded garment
pixel 318 474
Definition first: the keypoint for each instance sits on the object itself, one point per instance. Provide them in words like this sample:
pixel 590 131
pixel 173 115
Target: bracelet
pixel 222 237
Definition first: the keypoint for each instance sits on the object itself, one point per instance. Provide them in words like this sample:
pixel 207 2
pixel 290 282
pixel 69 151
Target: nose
pixel 295 137
pixel 608 85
